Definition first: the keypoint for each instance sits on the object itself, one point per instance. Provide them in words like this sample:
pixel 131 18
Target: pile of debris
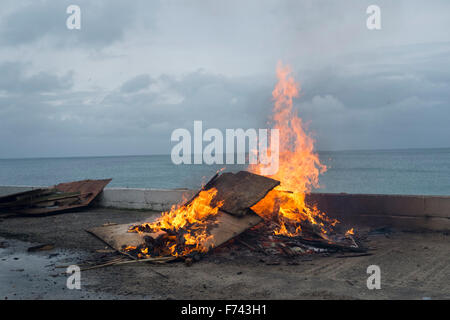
pixel 217 214
pixel 262 240
pixel 56 199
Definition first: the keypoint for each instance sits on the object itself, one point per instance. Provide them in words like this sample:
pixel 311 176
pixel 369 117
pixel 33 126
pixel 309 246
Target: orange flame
pixel 299 165
pixel 350 232
pixel 191 221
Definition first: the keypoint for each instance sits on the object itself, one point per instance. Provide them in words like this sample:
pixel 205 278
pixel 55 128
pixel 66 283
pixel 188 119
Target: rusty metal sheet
pixel 240 191
pixel 74 195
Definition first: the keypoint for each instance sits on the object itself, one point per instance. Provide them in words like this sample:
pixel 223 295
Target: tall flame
pixel 299 164
pixel 184 229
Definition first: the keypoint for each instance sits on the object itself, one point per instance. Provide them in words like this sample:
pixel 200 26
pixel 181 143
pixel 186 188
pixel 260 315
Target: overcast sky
pixel 137 70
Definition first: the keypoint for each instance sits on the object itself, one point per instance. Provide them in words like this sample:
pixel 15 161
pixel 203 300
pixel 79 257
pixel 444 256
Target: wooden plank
pixel 42 200
pixel 58 196
pixel 13 196
pixel 240 191
pixel 88 190
pixel 226 227
pixel 23 198
pixel 117 236
pixel 229 226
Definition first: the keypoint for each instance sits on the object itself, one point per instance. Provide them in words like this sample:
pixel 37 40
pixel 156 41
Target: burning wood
pixel 291 226
pixel 189 228
pixel 197 225
pixel 299 169
pixel 224 228
pixel 201 224
pixel 182 230
pixel 237 192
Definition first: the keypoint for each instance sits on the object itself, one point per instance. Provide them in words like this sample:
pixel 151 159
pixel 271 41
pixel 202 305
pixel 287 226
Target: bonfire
pixel 186 228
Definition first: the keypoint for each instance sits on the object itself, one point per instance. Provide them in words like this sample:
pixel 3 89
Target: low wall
pixel 408 212
pixel 150 199
pixel 126 198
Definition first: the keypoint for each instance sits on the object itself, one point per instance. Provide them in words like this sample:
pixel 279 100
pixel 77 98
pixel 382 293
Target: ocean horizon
pixel 392 171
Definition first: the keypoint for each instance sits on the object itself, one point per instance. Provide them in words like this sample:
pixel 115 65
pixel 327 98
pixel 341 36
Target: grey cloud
pixel 137 121
pixel 384 79
pixel 215 61
pixel 137 83
pixel 219 101
pixel 15 80
pixel 390 107
pixel 103 23
pixel 398 103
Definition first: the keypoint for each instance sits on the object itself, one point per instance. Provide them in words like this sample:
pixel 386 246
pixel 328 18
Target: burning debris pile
pixel 182 230
pixel 200 224
pixel 271 210
pixel 262 239
pixel 221 212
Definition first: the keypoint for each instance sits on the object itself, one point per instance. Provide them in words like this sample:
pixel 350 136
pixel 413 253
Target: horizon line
pixel 168 154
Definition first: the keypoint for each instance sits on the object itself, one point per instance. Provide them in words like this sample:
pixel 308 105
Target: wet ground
pixel 413 266
pixel 38 275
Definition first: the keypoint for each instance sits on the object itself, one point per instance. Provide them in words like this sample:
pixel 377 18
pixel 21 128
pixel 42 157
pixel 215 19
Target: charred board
pixel 225 228
pixel 239 191
pixel 118 237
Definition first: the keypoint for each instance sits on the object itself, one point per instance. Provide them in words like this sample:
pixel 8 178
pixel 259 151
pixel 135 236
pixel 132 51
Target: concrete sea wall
pixel 409 212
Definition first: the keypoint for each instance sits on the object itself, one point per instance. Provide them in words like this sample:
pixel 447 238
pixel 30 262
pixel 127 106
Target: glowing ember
pixel 350 232
pixel 299 166
pixel 182 230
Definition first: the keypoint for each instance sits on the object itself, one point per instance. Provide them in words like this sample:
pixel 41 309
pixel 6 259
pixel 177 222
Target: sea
pixel 406 171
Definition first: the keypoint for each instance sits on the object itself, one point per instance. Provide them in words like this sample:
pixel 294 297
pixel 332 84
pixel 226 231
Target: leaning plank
pixel 240 191
pixel 226 227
